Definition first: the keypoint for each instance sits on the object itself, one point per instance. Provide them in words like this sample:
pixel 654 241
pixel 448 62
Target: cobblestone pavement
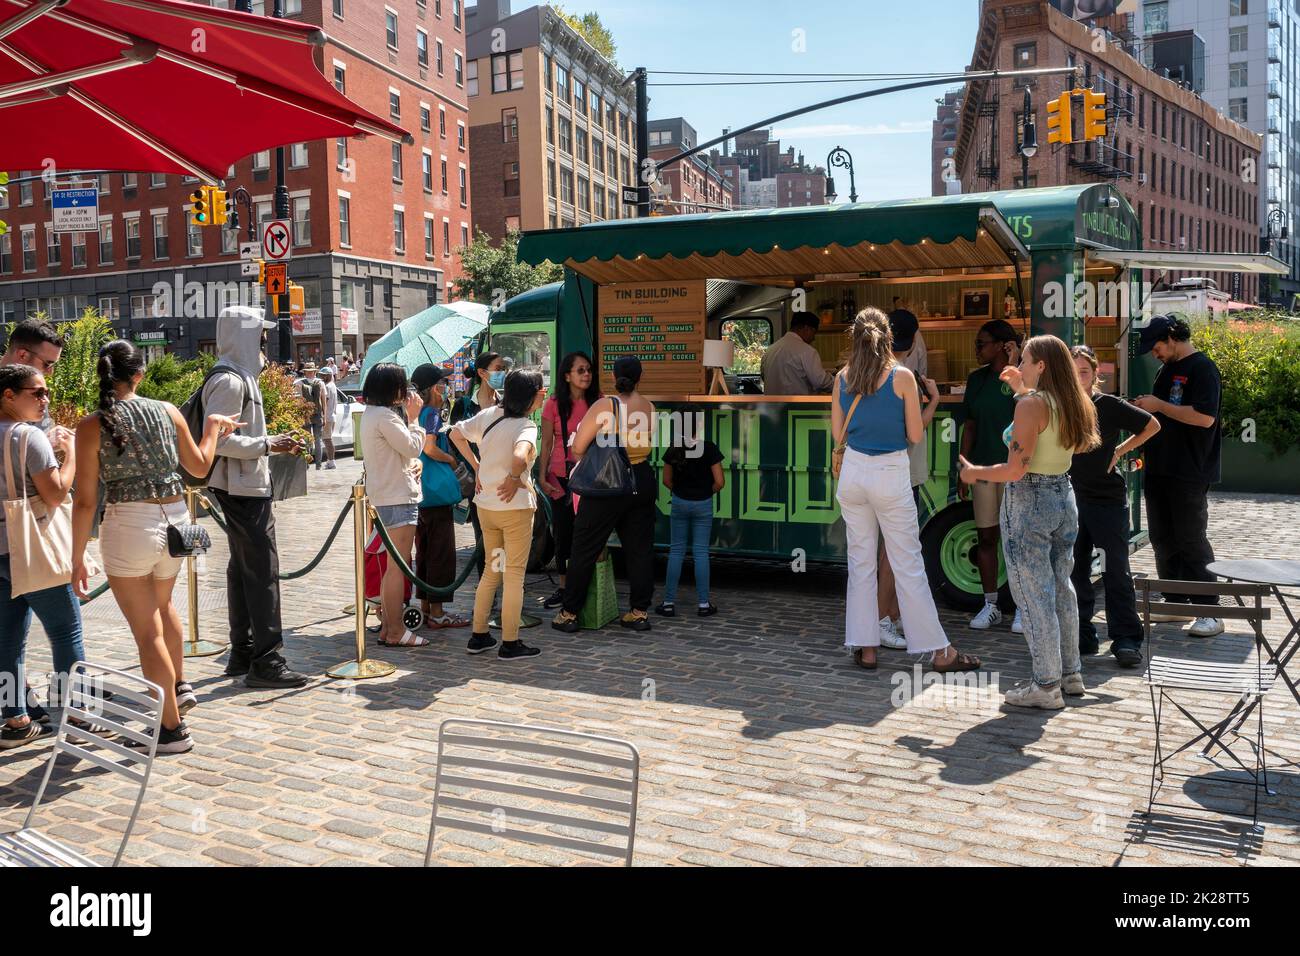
pixel 760 743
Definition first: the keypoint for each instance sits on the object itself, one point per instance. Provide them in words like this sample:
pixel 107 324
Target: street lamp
pixel 839 156
pixel 1028 140
pixel 1276 217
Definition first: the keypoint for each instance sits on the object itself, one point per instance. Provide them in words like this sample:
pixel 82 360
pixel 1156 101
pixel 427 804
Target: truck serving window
pixel 751 338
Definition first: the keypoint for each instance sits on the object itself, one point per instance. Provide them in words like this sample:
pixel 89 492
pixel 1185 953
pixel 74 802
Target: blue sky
pixel 889 136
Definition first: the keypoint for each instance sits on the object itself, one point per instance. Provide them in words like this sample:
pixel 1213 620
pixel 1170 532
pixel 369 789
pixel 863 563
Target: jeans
pixel 60 615
pixel 1039 523
pixel 507 539
pixel 694 520
pixel 252 578
pixel 1104 525
pixel 1177 518
pixel 875 497
pixel 317 433
pixel 633 517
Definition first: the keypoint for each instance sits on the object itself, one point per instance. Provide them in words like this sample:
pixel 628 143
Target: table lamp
pixel 719 354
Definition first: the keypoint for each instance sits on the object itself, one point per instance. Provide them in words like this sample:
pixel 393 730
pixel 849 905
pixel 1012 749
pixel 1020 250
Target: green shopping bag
pixel 601 606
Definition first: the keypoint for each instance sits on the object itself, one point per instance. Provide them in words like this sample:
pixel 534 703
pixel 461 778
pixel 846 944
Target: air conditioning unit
pixel 1142 179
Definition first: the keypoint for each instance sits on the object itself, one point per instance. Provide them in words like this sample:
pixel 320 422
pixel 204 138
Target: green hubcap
pixel 957 558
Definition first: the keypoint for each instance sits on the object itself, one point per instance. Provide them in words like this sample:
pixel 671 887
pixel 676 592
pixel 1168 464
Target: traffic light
pixel 201 206
pixel 297 301
pixel 220 210
pixel 1094 115
pixel 1059 127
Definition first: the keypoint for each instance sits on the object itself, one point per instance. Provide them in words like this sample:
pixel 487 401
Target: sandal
pixel 446 620
pixel 408 640
pixel 959 662
pixel 857 659
pixel 11 737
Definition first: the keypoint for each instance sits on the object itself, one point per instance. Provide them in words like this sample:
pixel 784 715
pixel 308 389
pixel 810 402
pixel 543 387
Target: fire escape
pixel 1105 158
pixel 986 166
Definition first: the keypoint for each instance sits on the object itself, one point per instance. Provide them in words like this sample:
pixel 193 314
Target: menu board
pixel 662 324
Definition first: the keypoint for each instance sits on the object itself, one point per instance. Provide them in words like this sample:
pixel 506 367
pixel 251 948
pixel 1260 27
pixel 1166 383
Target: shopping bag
pixel 601 606
pixel 40 539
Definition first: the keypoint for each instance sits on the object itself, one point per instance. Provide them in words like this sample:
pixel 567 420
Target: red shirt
pixel 560 442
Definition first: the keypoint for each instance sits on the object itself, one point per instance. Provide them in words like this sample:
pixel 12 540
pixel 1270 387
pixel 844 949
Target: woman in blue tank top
pixel 875 413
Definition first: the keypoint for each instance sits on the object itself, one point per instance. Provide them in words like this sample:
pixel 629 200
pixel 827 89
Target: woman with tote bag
pixel 34 486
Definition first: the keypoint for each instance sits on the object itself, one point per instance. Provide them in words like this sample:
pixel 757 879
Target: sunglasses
pixel 37 391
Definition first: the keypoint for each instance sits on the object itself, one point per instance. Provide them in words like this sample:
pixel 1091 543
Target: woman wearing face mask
pixel 488 373
pixel 1054 420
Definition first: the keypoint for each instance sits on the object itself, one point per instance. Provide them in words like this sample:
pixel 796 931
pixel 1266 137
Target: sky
pixel 888 136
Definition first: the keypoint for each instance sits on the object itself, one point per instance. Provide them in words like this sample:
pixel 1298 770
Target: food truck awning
pixel 852 239
pixel 1193 261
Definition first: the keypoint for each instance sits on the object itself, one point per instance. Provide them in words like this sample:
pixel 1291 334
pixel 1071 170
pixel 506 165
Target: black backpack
pixel 195 418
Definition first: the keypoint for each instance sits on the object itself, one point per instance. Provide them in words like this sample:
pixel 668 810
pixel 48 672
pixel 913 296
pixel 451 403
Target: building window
pixel 509 125
pixel 546 72
pixel 1237 109
pixel 340 78
pixel 341 153
pixel 345 221
pixel 424 118
pixel 394 104
pixel 390 18
pixel 455 13
pixel 471 78
pixel 160 236
pixel 1237 39
pixel 437 57
pixel 599 197
pixel 510 177
pixel 110 307
pixel 444 175
pixel 1237 8
pixel 579 95
pixel 507 71
pixel 128 182
pixel 550 179
pixel 566 135
pixel 1238 75
pixel 193 240
pixel 132 227
pixel 338 9
pixel 298 155
pixel 584 194
pixel 426 171
pixel 105 243
pixel 302 221
pixel 422 47
pixel 29 249
pixel 6 253
pixel 262 160
pixel 1155 17
pixel 1026 56
pixel 550 126
pixel 78 250
pixel 446 238
pixel 596 107
pixel 397 162
pixel 460 136
pixel 464 234
pixel 399 231
pixel 561 83
pixel 464 187
pixel 566 186
pixel 582 145
pixel 597 154
pixel 459 62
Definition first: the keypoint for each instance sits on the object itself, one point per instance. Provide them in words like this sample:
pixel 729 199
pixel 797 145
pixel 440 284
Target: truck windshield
pixel 526 350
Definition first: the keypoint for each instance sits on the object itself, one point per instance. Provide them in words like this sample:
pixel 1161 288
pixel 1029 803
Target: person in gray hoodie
pixel 241 483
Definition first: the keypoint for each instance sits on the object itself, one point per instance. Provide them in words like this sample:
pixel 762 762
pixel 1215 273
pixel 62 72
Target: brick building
pixel 1190 173
pixel 693 185
pixel 552 123
pixel 373 232
pixel 943 140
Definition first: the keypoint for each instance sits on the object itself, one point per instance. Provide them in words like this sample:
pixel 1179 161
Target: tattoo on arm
pixel 1016 446
pixel 1024 460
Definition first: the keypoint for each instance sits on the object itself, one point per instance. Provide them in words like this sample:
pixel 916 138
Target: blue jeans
pixel 59 614
pixel 1039 523
pixel 694 520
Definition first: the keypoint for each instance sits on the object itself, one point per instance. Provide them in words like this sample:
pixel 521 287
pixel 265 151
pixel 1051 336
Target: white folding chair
pixel 515 798
pixel 134 712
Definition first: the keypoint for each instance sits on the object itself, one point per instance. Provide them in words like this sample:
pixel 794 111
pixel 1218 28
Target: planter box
pixel 288 477
pixel 1252 467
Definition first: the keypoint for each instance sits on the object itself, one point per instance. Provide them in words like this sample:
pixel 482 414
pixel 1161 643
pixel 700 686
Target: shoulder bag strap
pixel 21 474
pixel 844 436
pixel 564 430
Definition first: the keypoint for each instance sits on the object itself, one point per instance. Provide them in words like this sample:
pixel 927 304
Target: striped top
pixel 146 468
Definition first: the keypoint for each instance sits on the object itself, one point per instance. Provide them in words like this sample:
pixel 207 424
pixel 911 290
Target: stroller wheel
pixel 413 618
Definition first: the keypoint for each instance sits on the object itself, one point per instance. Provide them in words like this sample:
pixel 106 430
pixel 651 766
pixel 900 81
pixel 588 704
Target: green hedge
pixel 1259 362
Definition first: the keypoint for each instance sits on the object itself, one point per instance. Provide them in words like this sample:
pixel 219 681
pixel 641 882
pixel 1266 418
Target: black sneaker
pixel 515 649
pixel 185 699
pixel 1089 645
pixel 707 610
pixel 274 675
pixel 1126 654
pixel 174 741
pixel 11 737
pixel 635 621
pixel 569 626
pixel 237 665
pixel 666 610
pixel 37 713
pixel 555 600
pixel 478 643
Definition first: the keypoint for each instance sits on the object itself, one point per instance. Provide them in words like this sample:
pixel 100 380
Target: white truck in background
pixel 1195 298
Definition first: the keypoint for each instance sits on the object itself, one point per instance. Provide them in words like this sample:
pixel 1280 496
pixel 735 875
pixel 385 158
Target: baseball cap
pixel 902 328
pixel 1157 331
pixel 427 376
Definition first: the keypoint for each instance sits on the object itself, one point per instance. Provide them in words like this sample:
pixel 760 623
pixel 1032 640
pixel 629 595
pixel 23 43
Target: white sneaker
pixel 989 615
pixel 1031 695
pixel 1016 626
pixel 1206 627
pixel 330 466
pixel 890 636
pixel 1072 685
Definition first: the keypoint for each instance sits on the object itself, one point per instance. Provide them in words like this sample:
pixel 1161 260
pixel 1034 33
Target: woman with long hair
pixel 628 419
pixel 576 391
pixel 24 399
pixel 1102 498
pixel 393 440
pixel 506 442
pixel 134 445
pixel 487 377
pixel 1054 420
pixel 875 413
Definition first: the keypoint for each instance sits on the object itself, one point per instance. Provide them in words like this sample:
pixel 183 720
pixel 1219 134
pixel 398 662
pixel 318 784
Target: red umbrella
pixel 161 86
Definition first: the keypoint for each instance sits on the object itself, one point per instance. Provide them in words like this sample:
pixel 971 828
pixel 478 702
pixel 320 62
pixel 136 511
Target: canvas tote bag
pixel 40 540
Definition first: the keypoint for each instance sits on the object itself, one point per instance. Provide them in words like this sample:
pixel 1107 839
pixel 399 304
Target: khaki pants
pixel 507 537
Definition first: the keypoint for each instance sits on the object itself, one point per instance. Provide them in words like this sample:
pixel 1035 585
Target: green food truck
pixel 698 297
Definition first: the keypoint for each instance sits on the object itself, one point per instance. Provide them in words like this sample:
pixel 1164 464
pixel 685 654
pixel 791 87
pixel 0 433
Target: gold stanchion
pixel 361 668
pixel 195 647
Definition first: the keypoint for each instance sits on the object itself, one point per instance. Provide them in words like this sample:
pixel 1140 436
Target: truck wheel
pixel 948 543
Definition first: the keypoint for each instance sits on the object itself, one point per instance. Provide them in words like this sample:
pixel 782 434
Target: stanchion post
pixel 361 668
pixel 195 647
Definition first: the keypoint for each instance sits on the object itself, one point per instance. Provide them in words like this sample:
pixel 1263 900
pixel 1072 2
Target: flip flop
pixel 408 640
pixel 446 620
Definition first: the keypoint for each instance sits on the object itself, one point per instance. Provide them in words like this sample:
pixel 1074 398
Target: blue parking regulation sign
pixel 75 210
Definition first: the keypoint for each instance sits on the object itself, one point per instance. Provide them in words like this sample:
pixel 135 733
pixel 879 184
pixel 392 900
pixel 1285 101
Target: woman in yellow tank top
pixel 1039 519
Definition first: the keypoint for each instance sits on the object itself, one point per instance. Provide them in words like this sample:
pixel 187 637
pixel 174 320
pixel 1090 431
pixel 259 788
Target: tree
pixel 493 274
pixel 589 27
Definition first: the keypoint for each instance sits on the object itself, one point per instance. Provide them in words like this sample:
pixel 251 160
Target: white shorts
pixel 133 539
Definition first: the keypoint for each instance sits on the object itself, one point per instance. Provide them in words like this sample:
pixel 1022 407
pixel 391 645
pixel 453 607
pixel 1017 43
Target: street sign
pixel 248 269
pixel 75 210
pixel 277 278
pixel 277 241
pixel 250 250
pixel 631 196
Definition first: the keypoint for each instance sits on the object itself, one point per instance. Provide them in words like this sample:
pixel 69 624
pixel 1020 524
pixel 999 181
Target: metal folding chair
pixel 134 712
pixel 544 770
pixel 1246 681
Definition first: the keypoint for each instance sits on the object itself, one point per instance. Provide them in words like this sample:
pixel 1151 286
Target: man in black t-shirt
pixel 1182 461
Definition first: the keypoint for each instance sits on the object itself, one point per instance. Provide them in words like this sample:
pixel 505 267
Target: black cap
pixel 1157 331
pixel 903 328
pixel 627 366
pixel 427 376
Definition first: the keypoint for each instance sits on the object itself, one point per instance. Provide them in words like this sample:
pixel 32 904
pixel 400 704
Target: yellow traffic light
pixel 218 199
pixel 1059 127
pixel 201 206
pixel 297 302
pixel 1094 115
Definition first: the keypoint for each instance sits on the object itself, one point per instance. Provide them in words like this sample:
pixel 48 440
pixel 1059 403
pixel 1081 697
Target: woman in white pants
pixel 876 412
